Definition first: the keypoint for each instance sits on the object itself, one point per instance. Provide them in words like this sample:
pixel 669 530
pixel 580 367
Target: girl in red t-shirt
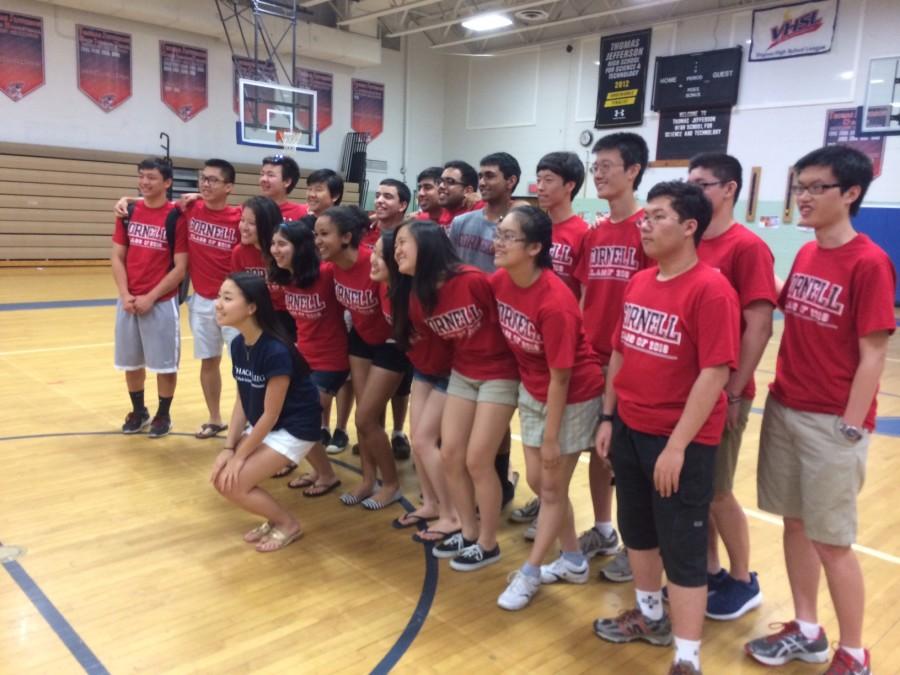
pixel 321 336
pixel 376 365
pixel 559 399
pixel 455 301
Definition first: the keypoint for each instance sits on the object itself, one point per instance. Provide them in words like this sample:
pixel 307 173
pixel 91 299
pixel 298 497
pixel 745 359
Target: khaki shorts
pixel 503 392
pixel 578 428
pixel 729 448
pixel 808 470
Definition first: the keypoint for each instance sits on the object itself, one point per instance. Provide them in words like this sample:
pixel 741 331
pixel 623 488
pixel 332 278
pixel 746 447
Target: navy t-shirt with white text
pixel 254 366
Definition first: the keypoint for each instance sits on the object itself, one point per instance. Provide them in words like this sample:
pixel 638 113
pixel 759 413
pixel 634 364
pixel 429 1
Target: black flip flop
pixel 419 540
pixel 398 523
pixel 210 430
pixel 324 491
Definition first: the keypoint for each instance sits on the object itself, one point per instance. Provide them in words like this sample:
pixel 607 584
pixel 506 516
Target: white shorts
pixel 284 444
pixel 151 340
pixel 208 335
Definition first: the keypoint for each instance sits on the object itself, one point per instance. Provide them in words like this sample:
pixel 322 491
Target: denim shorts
pixel 329 381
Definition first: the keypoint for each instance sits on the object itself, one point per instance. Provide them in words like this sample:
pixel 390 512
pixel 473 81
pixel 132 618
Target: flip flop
pixel 316 490
pixel 419 539
pixel 304 481
pixel 280 538
pixel 373 505
pixel 402 523
pixel 210 430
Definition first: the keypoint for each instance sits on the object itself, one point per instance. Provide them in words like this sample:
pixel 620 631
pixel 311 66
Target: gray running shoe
pixel 788 644
pixel 527 513
pixel 618 569
pixel 593 543
pixel 684 668
pixel 632 625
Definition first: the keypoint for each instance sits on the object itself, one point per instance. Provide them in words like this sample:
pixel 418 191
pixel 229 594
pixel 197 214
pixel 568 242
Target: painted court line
pixel 92 345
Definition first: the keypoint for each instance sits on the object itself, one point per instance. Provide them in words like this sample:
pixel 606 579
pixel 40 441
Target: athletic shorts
pixel 151 340
pixel 808 470
pixel 439 382
pixel 504 392
pixel 284 443
pixel 676 525
pixel 729 449
pixel 577 431
pixel 386 355
pixel 329 381
pixel 208 335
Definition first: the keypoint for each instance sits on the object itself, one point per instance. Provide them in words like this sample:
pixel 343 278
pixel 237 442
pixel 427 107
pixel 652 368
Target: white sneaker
pixel 531 531
pixel 520 591
pixel 562 570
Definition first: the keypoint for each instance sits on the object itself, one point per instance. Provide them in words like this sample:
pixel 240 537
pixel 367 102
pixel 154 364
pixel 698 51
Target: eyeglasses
pixel 210 180
pixel 604 167
pixel 506 238
pixel 449 182
pixel 815 189
pixel 703 186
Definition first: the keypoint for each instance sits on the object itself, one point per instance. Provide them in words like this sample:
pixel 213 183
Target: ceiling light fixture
pixel 487 22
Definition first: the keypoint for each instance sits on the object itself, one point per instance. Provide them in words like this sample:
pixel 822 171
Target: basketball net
pixel 289 140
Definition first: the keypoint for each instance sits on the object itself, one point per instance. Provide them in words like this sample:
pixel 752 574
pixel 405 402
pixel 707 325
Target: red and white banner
pixel 367 108
pixel 182 79
pixel 104 66
pixel 248 69
pixel 21 54
pixel 323 85
pixel 787 31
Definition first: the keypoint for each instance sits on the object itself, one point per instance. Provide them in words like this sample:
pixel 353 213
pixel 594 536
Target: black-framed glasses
pixel 449 182
pixel 210 180
pixel 605 167
pixel 815 189
pixel 506 238
pixel 703 185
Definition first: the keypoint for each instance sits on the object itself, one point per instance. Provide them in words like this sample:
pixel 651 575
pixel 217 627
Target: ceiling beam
pixel 459 19
pixel 387 12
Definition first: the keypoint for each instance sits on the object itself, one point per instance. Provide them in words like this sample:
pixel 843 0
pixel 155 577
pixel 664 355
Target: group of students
pixel 635 340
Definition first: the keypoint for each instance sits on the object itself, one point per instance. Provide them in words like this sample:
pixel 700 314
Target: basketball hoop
pixel 289 140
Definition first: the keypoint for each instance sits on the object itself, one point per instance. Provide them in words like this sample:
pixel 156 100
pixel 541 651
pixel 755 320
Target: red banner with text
pixel 104 66
pixel 182 79
pixel 367 108
pixel 21 54
pixel 323 85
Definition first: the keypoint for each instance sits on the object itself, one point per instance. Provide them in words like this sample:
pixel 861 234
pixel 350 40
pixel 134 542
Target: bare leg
pixel 731 524
pixel 211 384
pixel 426 428
pixel 803 568
pixel 459 414
pixel 600 477
pixel 359 369
pixel 165 384
pixel 134 379
pixel 380 384
pixel 847 588
pixel 556 521
pixel 713 564
pixel 344 405
pixel 399 407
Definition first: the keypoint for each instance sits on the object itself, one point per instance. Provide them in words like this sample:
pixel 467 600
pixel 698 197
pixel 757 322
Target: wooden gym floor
pixel 134 564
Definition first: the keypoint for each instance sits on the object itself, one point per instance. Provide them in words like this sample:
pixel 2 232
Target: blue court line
pixel 56 304
pixel 56 620
pixel 93 666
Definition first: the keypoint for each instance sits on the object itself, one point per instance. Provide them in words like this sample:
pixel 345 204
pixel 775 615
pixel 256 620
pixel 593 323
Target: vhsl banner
pixel 801 29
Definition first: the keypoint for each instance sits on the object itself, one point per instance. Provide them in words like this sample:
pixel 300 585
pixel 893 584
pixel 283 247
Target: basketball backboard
pixel 881 109
pixel 269 110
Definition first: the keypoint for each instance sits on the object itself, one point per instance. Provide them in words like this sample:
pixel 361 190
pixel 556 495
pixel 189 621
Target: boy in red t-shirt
pixel 278 176
pixel 838 304
pixel 147 273
pixel 749 267
pixel 676 343
pixel 427 194
pixel 611 254
pixel 457 191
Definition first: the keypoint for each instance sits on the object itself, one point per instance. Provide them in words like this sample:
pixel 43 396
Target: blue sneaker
pixel 713 581
pixel 733 598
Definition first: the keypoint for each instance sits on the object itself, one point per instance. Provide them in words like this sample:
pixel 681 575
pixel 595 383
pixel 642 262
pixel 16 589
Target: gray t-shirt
pixel 473 236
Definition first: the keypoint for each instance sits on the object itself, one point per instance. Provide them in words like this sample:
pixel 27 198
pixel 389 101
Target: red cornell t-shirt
pixel 211 237
pixel 356 291
pixel 293 210
pixel 832 298
pixel 147 258
pixel 370 238
pixel 611 254
pixel 446 216
pixel 427 352
pixel 321 333
pixel 749 266
pixel 668 332
pixel 249 259
pixel 566 250
pixel 542 325
pixel 466 314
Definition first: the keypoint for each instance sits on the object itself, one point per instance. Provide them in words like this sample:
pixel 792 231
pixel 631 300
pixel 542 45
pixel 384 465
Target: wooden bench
pixel 56 203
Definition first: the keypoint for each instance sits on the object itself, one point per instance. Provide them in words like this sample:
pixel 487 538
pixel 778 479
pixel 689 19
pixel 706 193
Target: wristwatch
pixel 850 432
pixel 606 418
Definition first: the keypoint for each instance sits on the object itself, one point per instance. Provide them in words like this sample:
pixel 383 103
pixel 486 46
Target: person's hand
pixel 185 200
pixel 550 453
pixel 143 304
pixel 471 199
pixel 128 303
pixel 228 477
pixel 221 460
pixel 603 441
pixel 120 210
pixel 667 471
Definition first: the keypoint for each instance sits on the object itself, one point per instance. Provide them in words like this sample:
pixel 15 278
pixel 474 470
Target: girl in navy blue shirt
pixel 277 403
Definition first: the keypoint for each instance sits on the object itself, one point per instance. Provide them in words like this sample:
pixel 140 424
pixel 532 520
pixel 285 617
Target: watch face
pixel 586 138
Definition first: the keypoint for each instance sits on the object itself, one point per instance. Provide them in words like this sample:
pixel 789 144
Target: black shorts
pixel 677 525
pixel 386 355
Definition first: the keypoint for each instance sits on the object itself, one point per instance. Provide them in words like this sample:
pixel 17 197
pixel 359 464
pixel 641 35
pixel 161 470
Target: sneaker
pixel 631 625
pixel 136 422
pixel 844 664
pixel 326 437
pixel 733 598
pixel 713 582
pixel 562 570
pixel 527 513
pixel 684 668
pixel 788 644
pixel 474 558
pixel 618 569
pixel 531 531
pixel 592 543
pixel 451 546
pixel 160 426
pixel 520 591
pixel 400 446
pixel 338 442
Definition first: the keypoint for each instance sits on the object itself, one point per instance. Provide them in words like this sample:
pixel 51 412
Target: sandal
pixel 373 505
pixel 409 520
pixel 281 473
pixel 304 481
pixel 210 430
pixel 279 538
pixel 316 490
pixel 258 533
pixel 421 538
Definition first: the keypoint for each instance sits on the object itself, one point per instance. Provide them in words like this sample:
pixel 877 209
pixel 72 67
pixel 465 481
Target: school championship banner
pixel 323 85
pixel 21 54
pixel 788 31
pixel 367 108
pixel 623 79
pixel 249 69
pixel 104 66
pixel 182 79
